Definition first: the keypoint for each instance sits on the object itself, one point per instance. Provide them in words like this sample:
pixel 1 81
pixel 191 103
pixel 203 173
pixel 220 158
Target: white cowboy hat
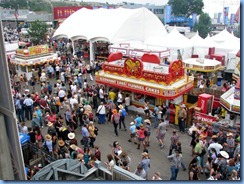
pixel 48 137
pixel 224 154
pixel 132 123
pixel 121 106
pixel 49 124
pixel 71 135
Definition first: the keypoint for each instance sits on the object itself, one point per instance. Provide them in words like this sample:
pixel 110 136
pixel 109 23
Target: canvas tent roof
pixel 174 39
pixel 112 25
pixel 223 36
pixel 198 41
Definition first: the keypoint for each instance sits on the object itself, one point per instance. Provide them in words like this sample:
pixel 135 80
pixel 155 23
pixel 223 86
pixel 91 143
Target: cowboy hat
pixel 80 105
pixel 195 129
pixel 58 81
pixel 121 106
pixel 49 124
pixel 61 142
pixel 73 147
pixel 214 137
pixel 224 154
pixel 71 135
pixel 145 154
pixel 132 123
pixel 48 137
pixel 147 121
pixel 35 115
pixel 229 134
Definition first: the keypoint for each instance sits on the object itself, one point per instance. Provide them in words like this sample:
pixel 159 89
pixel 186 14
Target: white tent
pixel 201 46
pixel 112 25
pixel 223 36
pixel 173 41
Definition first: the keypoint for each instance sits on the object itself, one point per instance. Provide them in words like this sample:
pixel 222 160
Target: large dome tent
pixel 112 25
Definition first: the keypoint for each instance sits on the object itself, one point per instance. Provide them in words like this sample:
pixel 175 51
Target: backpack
pixel 116 118
pixel 123 113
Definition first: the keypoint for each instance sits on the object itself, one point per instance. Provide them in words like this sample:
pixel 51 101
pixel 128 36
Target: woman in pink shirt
pixel 141 137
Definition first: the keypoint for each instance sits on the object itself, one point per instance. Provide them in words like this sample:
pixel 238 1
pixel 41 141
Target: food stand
pixel 26 59
pixel 209 67
pixel 146 79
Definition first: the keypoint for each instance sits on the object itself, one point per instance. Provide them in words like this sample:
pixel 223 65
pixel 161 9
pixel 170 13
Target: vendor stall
pixel 146 79
pixel 230 100
pixel 208 67
pixel 26 59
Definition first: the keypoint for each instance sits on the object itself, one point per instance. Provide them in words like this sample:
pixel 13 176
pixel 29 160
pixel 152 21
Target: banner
pixel 194 18
pixel 219 16
pixel 167 14
pixel 232 19
pixel 226 13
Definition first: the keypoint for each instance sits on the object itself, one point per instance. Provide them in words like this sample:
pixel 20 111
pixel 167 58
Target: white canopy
pixel 198 41
pixel 223 36
pixel 173 41
pixel 201 46
pixel 112 25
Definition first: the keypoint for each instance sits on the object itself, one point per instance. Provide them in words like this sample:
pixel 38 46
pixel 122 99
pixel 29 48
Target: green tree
pixel 186 7
pixel 38 32
pixel 204 25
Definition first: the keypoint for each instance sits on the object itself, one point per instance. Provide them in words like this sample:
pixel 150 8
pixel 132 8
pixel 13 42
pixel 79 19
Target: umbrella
pixel 224 154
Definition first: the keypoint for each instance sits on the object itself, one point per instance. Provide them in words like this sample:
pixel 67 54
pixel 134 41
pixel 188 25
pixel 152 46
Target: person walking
pixel 28 102
pixel 115 120
pixel 141 137
pixel 174 139
pixel 145 163
pixel 182 117
pixel 175 162
pixel 156 114
pixel 161 131
pixel 132 132
pixel 122 113
pixel 85 135
pixel 101 112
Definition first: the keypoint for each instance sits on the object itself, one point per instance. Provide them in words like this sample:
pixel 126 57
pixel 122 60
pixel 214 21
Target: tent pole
pixel 73 45
pixel 91 51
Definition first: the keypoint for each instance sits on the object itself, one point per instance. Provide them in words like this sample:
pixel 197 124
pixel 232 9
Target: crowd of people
pixel 68 102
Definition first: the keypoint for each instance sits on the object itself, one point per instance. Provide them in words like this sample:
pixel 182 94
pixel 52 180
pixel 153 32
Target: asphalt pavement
pixel 158 157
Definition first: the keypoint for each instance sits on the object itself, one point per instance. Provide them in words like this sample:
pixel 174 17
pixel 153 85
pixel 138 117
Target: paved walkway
pixel 159 161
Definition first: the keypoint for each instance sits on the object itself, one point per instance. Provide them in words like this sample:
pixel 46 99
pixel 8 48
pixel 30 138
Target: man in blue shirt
pixel 19 110
pixel 85 134
pixel 138 121
pixel 132 132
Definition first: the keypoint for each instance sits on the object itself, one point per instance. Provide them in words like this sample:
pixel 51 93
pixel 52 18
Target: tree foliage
pixel 204 25
pixel 37 31
pixel 186 7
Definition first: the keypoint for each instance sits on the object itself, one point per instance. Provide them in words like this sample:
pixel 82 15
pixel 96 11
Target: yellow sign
pixel 36 50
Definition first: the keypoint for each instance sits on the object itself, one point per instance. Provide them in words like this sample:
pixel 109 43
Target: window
pixel 139 97
pixel 150 99
pixel 23 68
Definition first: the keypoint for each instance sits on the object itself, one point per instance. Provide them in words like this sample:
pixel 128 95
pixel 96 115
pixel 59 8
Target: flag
pixel 219 16
pixel 194 18
pixel 167 14
pixel 16 14
pixel 237 17
pixel 226 13
pixel 232 19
